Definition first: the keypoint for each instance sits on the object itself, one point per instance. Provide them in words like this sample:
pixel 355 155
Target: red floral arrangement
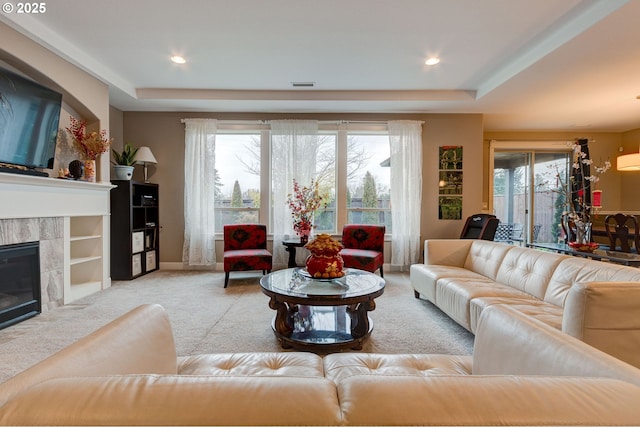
pixel 90 145
pixel 303 203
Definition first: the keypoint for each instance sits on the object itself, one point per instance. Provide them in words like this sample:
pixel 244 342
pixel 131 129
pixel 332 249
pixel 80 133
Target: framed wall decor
pixel 450 182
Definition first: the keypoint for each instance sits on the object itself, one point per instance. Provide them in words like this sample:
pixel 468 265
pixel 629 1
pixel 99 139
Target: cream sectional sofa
pixel 594 301
pixel 127 373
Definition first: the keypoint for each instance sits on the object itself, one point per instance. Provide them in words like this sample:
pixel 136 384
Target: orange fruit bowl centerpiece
pixel 325 261
pixel 584 247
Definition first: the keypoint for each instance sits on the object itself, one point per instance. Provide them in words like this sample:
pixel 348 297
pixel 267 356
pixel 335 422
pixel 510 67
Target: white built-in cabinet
pixel 84 208
pixel 86 255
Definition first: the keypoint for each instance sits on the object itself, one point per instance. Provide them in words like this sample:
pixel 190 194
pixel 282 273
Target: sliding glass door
pixel 511 195
pixel 523 200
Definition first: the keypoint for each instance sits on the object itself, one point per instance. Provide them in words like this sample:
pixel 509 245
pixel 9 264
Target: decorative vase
pixel 325 261
pixel 122 172
pixel 583 232
pixel 90 170
pixel 583 241
pixel 325 266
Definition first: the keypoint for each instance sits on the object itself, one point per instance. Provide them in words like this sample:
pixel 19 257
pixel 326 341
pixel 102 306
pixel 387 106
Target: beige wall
pixel 451 129
pixel 164 134
pixel 116 128
pixel 630 181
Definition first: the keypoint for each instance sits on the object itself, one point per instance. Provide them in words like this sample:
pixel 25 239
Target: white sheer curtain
pixel 294 145
pixel 405 140
pixel 199 179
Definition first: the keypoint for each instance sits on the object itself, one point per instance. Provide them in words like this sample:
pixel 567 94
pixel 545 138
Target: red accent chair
pixel 245 249
pixel 363 247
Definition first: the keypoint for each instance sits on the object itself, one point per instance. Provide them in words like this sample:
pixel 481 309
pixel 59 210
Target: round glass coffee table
pixel 322 314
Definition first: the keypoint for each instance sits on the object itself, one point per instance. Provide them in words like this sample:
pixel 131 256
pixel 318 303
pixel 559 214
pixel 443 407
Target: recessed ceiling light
pixel 432 61
pixel 178 59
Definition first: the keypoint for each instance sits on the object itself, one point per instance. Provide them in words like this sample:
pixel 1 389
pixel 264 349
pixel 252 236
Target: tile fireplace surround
pixel 48 232
pixel 70 220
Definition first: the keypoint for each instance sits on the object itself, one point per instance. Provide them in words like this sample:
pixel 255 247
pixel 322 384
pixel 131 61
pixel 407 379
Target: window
pixel 368 180
pixel 325 219
pixel 362 195
pixel 237 186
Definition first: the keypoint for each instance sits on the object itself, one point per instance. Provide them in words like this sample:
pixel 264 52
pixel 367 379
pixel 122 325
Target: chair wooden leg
pixel 226 278
pixel 381 273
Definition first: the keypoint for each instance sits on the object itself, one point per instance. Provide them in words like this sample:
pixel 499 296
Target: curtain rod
pixel 338 122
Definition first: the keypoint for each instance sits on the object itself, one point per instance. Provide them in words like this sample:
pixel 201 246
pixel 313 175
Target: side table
pixel 291 245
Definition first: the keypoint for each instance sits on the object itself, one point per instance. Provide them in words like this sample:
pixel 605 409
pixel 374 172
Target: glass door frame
pixel 524 147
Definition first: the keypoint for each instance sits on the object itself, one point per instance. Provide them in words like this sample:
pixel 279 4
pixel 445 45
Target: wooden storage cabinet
pixel 134 229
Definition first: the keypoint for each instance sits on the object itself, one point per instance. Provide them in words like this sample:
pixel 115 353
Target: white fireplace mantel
pixel 25 196
pixel 83 210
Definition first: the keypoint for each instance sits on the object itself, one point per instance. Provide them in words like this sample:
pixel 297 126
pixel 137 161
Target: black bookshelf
pixel 135 227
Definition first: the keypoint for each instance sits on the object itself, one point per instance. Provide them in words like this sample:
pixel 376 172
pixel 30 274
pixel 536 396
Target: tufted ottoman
pixel 291 364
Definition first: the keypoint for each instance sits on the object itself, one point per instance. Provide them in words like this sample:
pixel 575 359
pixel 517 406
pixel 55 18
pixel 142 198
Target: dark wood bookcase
pixel 135 227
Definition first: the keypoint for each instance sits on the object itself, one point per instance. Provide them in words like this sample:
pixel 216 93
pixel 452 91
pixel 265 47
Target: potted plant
pixel 123 162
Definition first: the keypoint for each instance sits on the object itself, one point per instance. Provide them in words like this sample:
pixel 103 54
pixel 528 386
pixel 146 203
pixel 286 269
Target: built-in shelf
pixel 84 209
pixel 86 252
pixel 75 261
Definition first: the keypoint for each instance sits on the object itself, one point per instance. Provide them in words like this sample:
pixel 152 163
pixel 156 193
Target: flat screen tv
pixel 29 117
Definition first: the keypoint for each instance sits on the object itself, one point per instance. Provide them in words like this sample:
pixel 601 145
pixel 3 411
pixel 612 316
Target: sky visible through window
pixel 232 150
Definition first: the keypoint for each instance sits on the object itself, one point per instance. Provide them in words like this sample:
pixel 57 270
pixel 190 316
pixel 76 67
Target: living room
pixel 542 88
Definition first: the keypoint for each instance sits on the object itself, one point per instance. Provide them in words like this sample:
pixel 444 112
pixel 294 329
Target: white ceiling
pixel 524 64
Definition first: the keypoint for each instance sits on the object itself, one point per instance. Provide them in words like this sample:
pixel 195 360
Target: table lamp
pixel 145 156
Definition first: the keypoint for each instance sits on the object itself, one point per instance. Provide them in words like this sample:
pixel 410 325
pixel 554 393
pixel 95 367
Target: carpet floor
pixel 207 318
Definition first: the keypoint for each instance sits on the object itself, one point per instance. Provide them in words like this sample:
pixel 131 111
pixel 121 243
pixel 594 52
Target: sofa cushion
pixel 485 257
pixel 575 270
pixel 338 366
pixel 528 270
pixel 424 277
pixel 454 295
pixel 466 400
pixel 259 364
pixel 529 305
pixel 511 343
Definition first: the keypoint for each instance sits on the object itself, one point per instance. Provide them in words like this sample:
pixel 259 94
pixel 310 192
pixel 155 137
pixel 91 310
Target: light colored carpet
pixel 206 318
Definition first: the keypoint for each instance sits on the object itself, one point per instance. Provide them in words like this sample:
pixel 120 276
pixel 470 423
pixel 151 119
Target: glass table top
pixel 295 282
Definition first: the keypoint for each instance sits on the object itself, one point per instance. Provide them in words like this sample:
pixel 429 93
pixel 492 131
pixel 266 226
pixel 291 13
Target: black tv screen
pixel 29 117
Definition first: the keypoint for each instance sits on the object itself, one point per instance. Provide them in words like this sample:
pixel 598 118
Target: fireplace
pixel 19 282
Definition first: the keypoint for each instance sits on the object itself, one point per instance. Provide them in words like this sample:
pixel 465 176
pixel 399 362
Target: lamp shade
pixel 629 162
pixel 144 155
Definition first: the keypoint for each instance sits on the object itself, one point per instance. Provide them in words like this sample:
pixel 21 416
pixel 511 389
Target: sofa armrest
pixel 467 400
pixel 452 252
pixel 176 400
pixel 509 342
pixel 139 342
pixel 605 316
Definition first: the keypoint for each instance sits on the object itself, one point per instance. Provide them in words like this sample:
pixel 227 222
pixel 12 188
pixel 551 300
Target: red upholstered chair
pixel 363 247
pixel 245 249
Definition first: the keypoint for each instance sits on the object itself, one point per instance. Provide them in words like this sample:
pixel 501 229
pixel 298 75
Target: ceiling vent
pixel 303 84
